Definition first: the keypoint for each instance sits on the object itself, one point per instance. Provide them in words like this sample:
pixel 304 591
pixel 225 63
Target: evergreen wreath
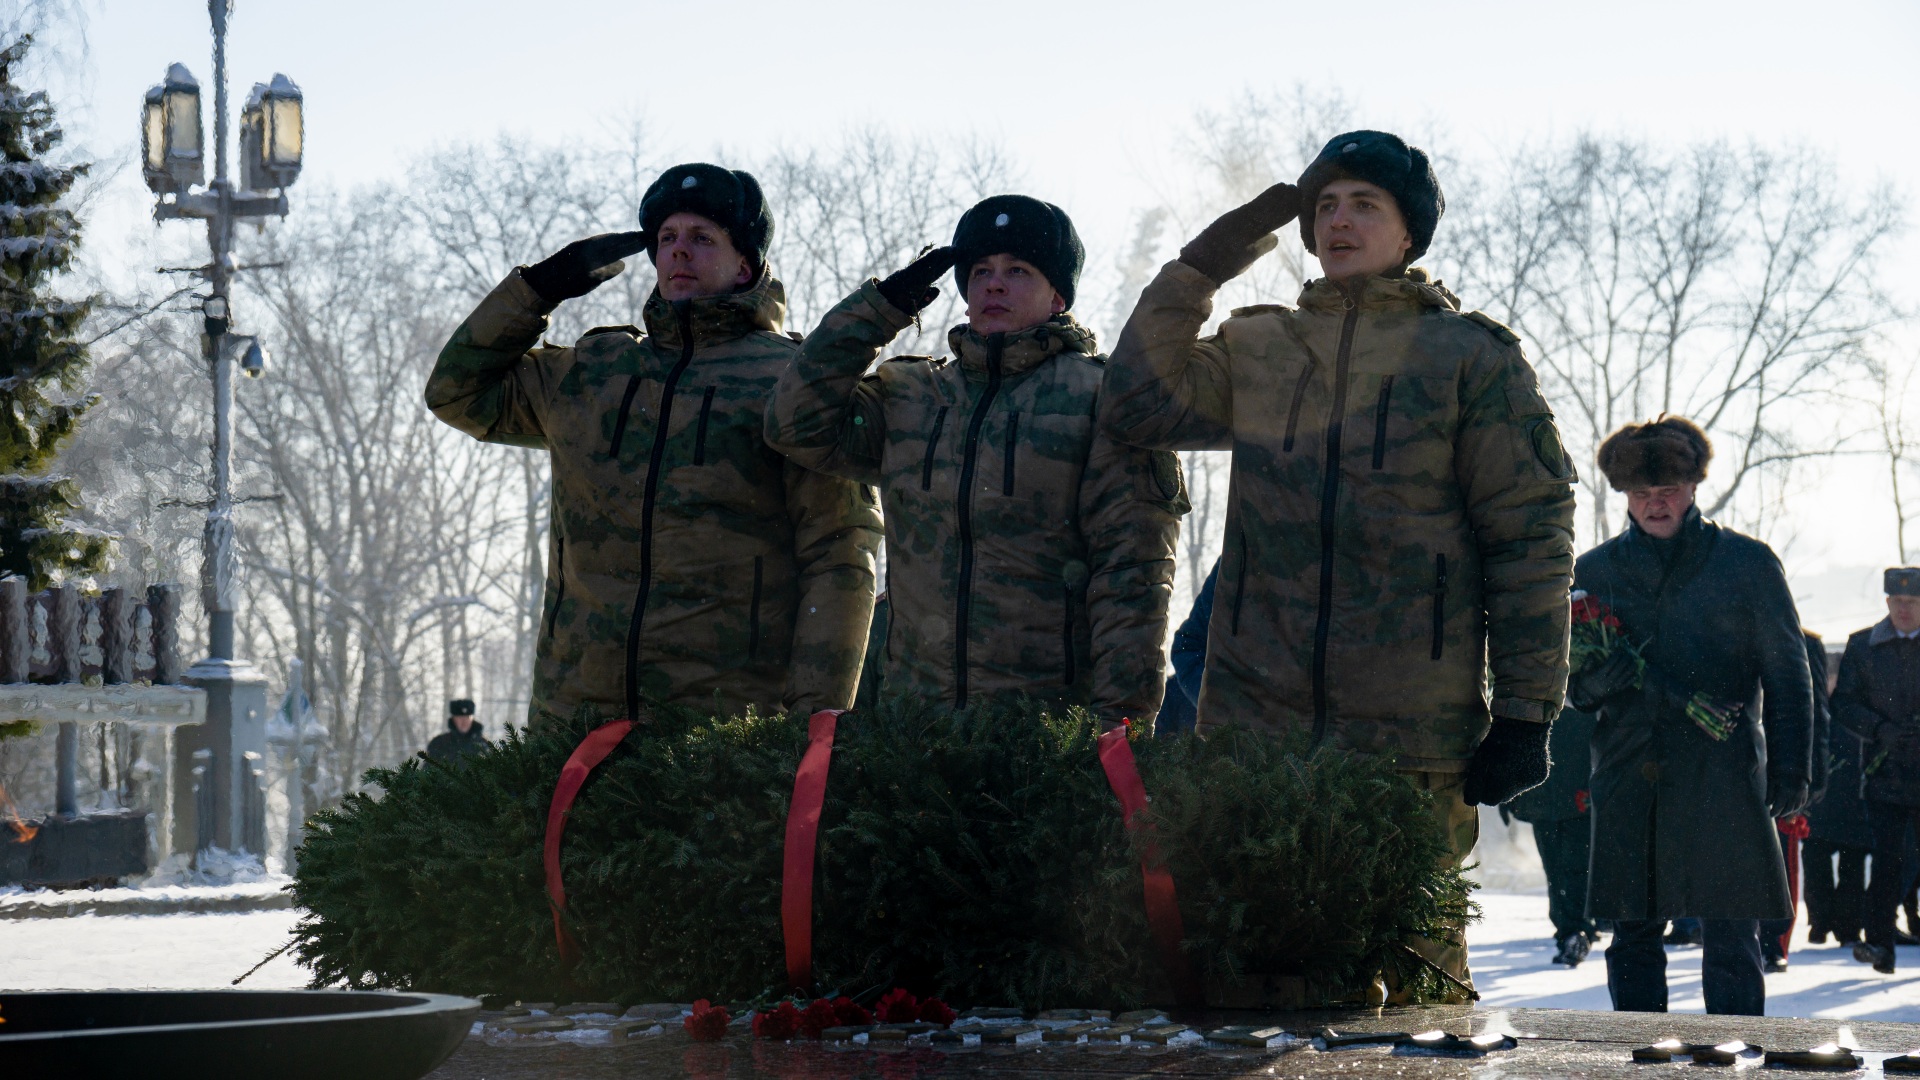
pixel 976 855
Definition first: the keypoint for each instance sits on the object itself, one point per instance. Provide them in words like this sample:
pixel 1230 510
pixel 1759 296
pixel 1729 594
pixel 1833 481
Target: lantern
pixel 271 133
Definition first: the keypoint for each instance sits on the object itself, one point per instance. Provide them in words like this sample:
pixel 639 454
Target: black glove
pixel 1511 759
pixel 912 288
pixel 1590 688
pixel 582 266
pixel 1786 795
pixel 1225 249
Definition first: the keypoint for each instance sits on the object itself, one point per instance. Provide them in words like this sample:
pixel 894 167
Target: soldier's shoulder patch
pixel 1492 326
pixel 623 328
pixel 1258 309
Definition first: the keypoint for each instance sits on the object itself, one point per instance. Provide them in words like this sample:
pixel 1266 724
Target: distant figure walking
pixel 463 735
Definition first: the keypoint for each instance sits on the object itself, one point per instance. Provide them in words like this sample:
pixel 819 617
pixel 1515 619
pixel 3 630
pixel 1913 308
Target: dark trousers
pixel 1564 847
pixel 1887 886
pixel 1834 881
pixel 1730 971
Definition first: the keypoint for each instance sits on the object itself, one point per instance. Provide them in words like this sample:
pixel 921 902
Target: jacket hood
pixel 1381 292
pixel 718 319
pixel 1022 350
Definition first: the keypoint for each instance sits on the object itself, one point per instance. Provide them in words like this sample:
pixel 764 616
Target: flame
pixel 23 832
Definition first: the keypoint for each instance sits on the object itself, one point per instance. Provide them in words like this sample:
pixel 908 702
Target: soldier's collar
pixel 716 319
pixel 1382 292
pixel 1022 350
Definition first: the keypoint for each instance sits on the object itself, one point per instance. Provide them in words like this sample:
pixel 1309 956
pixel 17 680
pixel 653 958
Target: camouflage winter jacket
pixel 1026 553
pixel 689 563
pixel 1401 513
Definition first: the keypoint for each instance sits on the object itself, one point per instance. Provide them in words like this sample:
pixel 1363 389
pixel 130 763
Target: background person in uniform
pixel 1027 553
pixel 463 735
pixel 1833 858
pixel 1562 830
pixel 1188 658
pixel 1401 514
pixel 1683 819
pixel 689 564
pixel 1776 935
pixel 1878 699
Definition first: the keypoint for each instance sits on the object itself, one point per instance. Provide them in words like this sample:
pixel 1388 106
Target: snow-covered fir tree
pixel 42 359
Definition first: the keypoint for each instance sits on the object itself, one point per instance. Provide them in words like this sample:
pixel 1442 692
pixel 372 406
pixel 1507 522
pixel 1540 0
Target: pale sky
pixel 1087 98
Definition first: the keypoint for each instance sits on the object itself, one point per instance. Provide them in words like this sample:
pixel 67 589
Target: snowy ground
pixel 1510 954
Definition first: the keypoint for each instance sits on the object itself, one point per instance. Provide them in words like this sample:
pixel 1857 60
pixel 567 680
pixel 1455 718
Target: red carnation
pixel 708 1022
pixel 935 1011
pixel 849 1012
pixel 897 1006
pixel 780 1022
pixel 818 1017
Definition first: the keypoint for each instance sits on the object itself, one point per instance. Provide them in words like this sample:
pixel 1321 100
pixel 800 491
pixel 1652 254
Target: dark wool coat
pixel 1878 699
pixel 1680 822
pixel 451 745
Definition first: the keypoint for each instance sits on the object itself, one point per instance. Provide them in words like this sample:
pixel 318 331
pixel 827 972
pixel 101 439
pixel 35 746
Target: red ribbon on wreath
pixel 585 758
pixel 1163 908
pixel 803 836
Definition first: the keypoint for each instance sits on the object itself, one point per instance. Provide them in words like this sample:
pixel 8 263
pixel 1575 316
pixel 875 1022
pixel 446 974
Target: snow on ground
pixel 1510 950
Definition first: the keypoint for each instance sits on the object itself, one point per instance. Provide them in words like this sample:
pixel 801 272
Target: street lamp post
pixel 173 162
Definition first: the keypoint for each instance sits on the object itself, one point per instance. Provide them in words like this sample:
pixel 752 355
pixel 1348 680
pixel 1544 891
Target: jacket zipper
pixel 1439 604
pixel 1240 580
pixel 933 443
pixel 1329 503
pixel 1380 422
pixel 1013 442
pixel 700 434
pixel 620 421
pixel 969 458
pixel 753 609
pixel 1293 413
pixel 1066 635
pixel 559 580
pixel 650 493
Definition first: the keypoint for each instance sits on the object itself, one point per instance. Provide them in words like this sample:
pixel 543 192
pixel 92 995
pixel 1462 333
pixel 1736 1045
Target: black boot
pixel 1573 949
pixel 1879 956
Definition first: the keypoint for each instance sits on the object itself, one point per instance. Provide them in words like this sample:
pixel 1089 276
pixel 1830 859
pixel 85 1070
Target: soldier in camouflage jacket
pixel 1401 516
pixel 1026 552
pixel 689 562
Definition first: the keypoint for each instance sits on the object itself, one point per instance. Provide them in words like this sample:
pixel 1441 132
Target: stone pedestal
pixel 236 726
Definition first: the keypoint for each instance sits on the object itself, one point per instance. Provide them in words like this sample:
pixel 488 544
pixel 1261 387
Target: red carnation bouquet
pixel 708 1022
pixel 897 1006
pixel 1598 636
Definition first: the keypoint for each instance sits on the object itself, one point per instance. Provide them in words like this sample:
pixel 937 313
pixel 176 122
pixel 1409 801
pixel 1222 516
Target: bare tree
pixel 1729 284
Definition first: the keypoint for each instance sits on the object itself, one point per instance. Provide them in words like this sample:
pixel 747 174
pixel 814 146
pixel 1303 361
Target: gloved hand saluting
pixel 912 288
pixel 1225 249
pixel 1511 759
pixel 582 266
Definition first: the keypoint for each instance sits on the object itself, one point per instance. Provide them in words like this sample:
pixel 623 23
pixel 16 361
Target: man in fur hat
pixel 1401 517
pixel 1687 778
pixel 1878 700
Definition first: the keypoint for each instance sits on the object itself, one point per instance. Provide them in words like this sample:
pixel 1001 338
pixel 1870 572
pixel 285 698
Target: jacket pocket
pixel 933 444
pixel 1380 423
pixel 1293 411
pixel 1439 606
pixel 559 581
pixel 753 609
pixel 700 433
pixel 1013 445
pixel 620 422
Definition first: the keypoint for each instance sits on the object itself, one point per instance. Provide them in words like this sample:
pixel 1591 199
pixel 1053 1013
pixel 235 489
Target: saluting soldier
pixel 688 563
pixel 1401 515
pixel 1027 553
